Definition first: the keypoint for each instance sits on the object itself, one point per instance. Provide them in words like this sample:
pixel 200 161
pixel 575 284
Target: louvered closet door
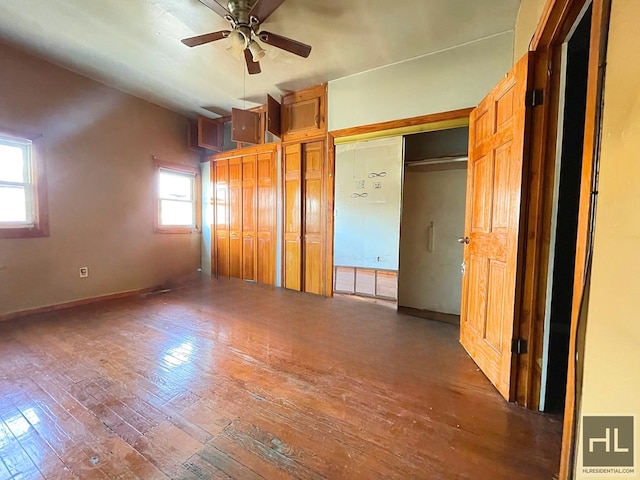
pixel 249 220
pixel 313 214
pixel 235 217
pixel 266 219
pixel 292 217
pixel 220 260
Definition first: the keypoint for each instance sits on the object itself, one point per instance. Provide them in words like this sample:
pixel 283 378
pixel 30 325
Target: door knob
pixel 464 240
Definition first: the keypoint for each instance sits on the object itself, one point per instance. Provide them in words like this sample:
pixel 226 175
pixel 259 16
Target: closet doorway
pixel 433 209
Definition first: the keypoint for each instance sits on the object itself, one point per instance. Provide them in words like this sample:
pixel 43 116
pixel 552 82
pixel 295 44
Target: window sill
pixel 176 230
pixel 24 232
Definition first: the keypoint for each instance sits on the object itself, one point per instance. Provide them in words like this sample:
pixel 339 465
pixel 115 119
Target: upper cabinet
pixel 205 135
pixel 304 114
pixel 301 116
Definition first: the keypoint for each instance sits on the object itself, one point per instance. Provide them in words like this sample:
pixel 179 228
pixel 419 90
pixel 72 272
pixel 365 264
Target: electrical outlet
pixel 84 272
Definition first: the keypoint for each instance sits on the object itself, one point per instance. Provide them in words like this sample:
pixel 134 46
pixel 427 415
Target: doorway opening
pixel 368 189
pixel 564 226
pixel 433 209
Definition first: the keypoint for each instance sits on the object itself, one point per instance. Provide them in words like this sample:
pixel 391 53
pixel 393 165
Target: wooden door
pixel 235 217
pixel 292 271
pixel 266 219
pixel 493 212
pixel 249 227
pixel 313 246
pixel 220 260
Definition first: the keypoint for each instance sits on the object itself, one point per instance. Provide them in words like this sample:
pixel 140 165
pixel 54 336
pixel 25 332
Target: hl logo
pixel 607 441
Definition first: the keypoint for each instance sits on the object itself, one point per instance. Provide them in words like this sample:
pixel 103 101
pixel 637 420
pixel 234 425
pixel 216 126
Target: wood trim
pixel 593 115
pixel 556 21
pixel 241 152
pixel 77 303
pixel 430 315
pixel 331 189
pixel 403 123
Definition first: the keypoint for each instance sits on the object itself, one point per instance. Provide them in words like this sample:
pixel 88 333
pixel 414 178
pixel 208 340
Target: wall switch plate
pixel 84 272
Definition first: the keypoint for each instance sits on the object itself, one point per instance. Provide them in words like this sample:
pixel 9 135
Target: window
pixel 22 190
pixel 177 202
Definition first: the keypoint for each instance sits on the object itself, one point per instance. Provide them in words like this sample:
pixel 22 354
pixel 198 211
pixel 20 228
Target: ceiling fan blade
pixel 263 8
pixel 206 38
pixel 252 67
pixel 216 7
pixel 285 43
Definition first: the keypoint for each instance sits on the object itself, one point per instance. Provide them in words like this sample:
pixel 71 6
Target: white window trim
pixel 185 170
pixel 37 225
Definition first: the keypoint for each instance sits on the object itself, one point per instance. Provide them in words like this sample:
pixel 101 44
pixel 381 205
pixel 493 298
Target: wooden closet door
pixel 249 200
pixel 220 256
pixel 266 219
pixel 235 217
pixel 292 217
pixel 313 246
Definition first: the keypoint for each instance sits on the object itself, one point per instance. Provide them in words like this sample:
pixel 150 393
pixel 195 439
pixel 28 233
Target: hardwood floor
pixel 224 379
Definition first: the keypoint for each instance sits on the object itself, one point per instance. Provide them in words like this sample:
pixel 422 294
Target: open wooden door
pixel 488 323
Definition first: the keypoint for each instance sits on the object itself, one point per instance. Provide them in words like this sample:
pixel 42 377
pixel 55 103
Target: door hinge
pixel 535 97
pixel 518 346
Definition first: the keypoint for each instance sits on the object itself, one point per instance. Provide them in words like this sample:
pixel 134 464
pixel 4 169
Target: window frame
pixel 179 169
pixel 39 225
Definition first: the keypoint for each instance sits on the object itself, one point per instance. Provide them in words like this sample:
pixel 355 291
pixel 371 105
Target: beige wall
pixel 98 144
pixel 456 78
pixel 612 355
pixel 431 280
pixel 526 23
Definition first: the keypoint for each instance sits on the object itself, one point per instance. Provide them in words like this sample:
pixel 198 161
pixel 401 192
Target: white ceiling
pixel 134 45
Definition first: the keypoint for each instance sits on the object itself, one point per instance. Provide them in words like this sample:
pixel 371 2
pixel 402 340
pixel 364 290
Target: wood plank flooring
pixel 225 379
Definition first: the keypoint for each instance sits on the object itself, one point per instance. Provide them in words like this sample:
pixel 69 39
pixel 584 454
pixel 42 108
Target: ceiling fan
pixel 246 17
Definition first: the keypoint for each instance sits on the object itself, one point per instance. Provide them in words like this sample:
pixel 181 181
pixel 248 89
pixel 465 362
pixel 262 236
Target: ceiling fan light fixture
pixel 257 52
pixel 238 40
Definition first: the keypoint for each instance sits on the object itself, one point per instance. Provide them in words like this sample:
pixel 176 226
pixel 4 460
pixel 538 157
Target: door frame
pixel 557 19
pixel 423 123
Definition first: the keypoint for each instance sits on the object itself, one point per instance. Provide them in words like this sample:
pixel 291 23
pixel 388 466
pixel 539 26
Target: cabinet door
pixel 274 123
pixel 210 134
pixel 220 260
pixel 313 247
pixel 235 217
pixel 304 114
pixel 249 200
pixel 292 217
pixel 266 219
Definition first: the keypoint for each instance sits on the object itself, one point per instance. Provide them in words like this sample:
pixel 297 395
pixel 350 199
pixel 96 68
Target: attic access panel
pixel 245 126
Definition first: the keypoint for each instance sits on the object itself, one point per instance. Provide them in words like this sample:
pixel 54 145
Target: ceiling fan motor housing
pixel 240 10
